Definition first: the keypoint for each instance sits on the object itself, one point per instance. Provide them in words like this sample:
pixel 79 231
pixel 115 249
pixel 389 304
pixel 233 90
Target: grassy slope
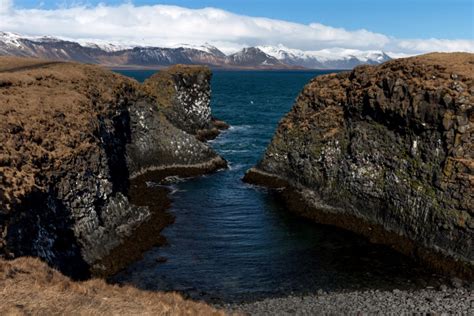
pixel 29 286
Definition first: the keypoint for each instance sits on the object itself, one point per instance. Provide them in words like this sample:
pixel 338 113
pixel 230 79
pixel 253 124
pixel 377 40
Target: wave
pixel 237 166
pixel 240 127
pixel 175 190
pixel 233 151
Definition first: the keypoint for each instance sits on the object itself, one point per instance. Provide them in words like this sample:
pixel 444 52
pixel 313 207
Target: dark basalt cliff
pixel 73 140
pixel 386 151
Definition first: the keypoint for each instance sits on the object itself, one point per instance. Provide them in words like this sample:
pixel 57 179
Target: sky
pixel 398 26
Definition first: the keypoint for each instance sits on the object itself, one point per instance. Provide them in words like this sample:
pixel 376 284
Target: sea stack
pixel 185 94
pixel 74 137
pixel 385 151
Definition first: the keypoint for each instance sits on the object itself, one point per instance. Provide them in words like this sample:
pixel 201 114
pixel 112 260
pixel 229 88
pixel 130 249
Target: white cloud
pixel 434 44
pixel 5 6
pixel 161 25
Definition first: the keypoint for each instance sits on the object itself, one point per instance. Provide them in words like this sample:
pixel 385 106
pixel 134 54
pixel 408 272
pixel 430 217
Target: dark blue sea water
pixel 232 241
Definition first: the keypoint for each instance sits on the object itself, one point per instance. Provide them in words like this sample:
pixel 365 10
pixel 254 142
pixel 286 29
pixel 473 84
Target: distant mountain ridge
pixel 112 55
pixel 335 58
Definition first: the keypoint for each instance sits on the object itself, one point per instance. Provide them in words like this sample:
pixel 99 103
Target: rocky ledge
pixel 385 151
pixel 78 144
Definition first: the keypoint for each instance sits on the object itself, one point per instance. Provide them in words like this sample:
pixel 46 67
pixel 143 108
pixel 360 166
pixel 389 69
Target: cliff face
pixel 73 137
pixel 385 151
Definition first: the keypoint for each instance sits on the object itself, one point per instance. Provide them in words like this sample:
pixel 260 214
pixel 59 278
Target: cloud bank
pixel 163 25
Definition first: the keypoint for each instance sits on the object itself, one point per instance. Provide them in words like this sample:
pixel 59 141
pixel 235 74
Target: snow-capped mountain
pixel 115 55
pixel 108 54
pixel 335 58
pixel 105 46
pixel 206 47
pixel 254 57
pixel 12 44
pixel 10 39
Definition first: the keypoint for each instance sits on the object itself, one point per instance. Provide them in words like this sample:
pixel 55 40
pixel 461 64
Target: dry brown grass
pixel 458 63
pixel 29 286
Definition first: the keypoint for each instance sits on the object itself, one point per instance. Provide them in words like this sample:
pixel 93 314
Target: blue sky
pixel 400 18
pixel 403 27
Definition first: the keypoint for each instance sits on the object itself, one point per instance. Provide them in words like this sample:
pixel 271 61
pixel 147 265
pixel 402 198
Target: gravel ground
pixel 444 301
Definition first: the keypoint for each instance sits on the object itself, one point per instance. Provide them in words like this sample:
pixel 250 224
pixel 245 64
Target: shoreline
pixel 297 202
pixel 158 67
pixel 157 199
pixel 455 300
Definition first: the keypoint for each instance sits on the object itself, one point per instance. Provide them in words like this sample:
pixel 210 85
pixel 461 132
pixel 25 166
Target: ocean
pixel 236 242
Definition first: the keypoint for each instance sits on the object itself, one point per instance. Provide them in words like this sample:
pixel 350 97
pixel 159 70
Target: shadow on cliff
pixel 114 145
pixel 47 235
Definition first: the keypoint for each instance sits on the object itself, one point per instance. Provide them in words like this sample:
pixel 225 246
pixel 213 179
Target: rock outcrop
pixel 386 151
pixel 73 139
pixel 186 93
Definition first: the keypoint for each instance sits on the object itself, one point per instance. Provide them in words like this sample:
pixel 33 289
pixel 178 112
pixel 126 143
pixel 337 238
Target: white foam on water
pixel 174 189
pixel 232 151
pixel 240 127
pixel 237 166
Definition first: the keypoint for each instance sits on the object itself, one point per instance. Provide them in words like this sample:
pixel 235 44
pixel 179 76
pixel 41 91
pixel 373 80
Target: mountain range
pixel 111 55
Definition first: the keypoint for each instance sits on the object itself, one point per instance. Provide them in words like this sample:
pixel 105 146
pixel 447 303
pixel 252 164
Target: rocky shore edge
pixel 304 202
pixel 146 190
pixel 444 301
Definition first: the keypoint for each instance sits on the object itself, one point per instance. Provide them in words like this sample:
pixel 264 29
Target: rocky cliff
pixel 386 151
pixel 185 91
pixel 74 138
